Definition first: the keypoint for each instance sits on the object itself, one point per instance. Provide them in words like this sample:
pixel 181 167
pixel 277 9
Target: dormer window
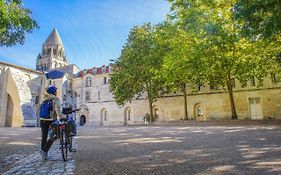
pixel 103 69
pixel 88 81
pixel 95 71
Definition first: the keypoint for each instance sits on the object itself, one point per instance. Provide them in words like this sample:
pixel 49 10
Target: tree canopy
pixel 202 41
pixel 260 17
pixel 136 70
pixel 15 22
pixel 225 55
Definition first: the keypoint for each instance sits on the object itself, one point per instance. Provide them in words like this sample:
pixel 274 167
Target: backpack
pixel 45 109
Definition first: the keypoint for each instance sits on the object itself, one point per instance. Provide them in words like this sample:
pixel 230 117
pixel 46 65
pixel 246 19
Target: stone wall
pixel 21 92
pixel 214 104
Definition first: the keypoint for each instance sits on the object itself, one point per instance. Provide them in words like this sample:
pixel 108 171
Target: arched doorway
pixel 156 112
pixel 84 114
pixel 82 120
pixel 127 115
pixel 199 112
pixel 9 112
pixel 103 116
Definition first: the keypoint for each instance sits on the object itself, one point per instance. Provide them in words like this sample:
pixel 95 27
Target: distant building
pixel 21 92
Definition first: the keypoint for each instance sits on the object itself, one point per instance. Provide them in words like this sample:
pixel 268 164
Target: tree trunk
pixel 185 102
pixel 231 98
pixel 150 110
pixel 150 101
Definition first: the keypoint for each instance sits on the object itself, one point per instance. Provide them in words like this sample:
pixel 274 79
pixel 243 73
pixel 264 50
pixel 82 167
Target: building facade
pixel 89 91
pixel 20 94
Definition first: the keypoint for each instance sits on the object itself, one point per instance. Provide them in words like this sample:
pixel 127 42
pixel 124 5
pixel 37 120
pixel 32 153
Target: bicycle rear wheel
pixel 63 143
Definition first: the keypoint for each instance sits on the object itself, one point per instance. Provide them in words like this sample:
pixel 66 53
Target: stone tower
pixel 52 55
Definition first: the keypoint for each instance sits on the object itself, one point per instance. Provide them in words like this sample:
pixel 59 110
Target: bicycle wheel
pixel 66 142
pixel 63 144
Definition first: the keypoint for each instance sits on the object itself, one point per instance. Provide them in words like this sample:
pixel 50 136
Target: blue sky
pixel 92 31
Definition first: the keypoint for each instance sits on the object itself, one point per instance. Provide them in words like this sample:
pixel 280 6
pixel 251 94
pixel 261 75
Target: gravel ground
pixel 142 150
pixel 189 149
pixel 17 143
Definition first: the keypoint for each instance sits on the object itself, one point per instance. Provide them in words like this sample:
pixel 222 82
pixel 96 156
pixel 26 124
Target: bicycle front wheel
pixel 63 144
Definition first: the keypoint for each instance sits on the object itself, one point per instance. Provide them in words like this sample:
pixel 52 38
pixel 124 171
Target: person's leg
pixel 54 135
pixel 44 131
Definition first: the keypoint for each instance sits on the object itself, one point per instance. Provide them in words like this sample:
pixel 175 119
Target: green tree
pixel 181 60
pixel 226 54
pixel 15 22
pixel 260 17
pixel 136 70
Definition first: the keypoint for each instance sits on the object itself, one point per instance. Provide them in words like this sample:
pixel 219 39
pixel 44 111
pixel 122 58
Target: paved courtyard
pixel 182 149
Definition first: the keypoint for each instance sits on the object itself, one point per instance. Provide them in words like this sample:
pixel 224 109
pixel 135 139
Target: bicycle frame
pixel 65 139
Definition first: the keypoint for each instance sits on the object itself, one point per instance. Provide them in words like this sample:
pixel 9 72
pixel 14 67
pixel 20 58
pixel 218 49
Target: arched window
pixel 88 81
pixel 104 114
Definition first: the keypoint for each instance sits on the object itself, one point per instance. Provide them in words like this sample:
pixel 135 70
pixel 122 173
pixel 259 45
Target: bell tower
pixel 52 55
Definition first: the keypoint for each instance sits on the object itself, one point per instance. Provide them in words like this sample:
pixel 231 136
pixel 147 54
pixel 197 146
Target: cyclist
pixel 45 123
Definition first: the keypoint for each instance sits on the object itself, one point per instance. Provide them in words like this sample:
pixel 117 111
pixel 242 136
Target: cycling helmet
pixel 52 90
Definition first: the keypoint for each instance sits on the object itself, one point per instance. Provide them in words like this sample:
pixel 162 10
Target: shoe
pixel 43 154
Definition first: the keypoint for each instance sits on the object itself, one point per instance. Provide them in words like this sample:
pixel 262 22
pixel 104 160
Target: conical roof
pixel 54 38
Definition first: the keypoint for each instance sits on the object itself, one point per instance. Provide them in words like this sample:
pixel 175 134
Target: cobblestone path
pixel 33 163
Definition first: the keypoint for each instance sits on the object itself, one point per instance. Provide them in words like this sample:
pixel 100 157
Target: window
pixel 103 69
pixel 88 81
pixel 199 86
pixel 95 71
pixel 105 112
pixel 199 111
pixel 129 114
pixel 104 80
pixel 99 95
pixel 252 81
pixel 88 95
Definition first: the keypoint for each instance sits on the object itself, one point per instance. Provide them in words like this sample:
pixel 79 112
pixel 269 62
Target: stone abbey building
pixel 21 92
